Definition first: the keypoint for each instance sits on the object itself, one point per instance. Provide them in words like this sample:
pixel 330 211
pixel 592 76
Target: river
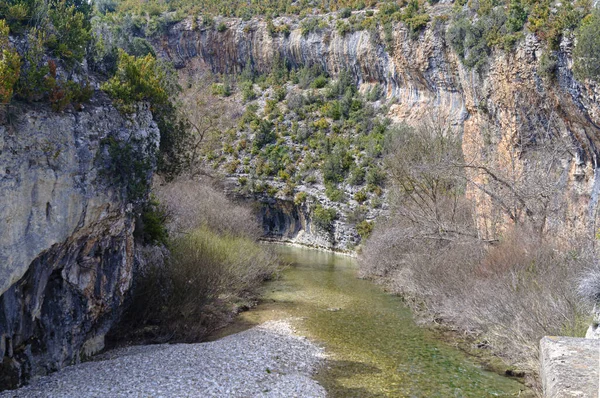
pixel 374 347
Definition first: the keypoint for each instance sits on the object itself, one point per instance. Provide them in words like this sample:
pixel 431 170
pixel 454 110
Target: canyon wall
pixel 66 244
pixel 423 76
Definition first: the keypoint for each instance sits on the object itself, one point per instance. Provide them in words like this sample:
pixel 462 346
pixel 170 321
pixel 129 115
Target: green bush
pixel 221 27
pixel 357 176
pixel 345 13
pixel 248 93
pixel 300 198
pixel 375 176
pixel 127 169
pixel 319 82
pixel 264 134
pixel 323 217
pixel 414 18
pixel 137 79
pixel 586 54
pixel 72 31
pixel 189 293
pixel 10 65
pixel 360 196
pixel 364 229
pixel 547 66
pixel 309 25
pixel 151 226
pixel 333 193
pixel 336 166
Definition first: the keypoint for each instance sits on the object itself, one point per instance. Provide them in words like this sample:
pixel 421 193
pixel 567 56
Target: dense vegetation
pixel 301 132
pixel 211 269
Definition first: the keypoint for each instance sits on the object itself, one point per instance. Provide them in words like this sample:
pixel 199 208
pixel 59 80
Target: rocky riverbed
pixel 269 360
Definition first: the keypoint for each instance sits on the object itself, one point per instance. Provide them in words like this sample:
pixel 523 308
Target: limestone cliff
pixel 421 75
pixel 66 242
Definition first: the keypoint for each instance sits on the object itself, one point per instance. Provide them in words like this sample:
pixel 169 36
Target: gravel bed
pixel 266 361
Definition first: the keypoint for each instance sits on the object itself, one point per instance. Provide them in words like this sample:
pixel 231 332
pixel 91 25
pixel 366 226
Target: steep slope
pixel 422 75
pixel 66 247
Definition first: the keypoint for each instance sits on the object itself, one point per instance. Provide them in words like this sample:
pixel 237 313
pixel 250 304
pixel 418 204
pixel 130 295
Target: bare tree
pixel 424 168
pixel 523 174
pixel 207 117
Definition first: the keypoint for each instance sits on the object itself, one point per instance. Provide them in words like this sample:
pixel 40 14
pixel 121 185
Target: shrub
pixel 72 31
pixel 192 204
pixel 357 176
pixel 300 198
pixel 360 196
pixel 586 54
pixel 345 13
pixel 309 25
pixel 127 169
pixel 319 82
pixel 364 229
pixel 336 166
pixel 323 217
pixel 333 193
pixel 547 66
pixel 190 292
pixel 137 79
pixel 221 27
pixel 264 135
pixel 151 226
pixel 248 93
pixel 375 176
pixel 10 66
pixel 220 89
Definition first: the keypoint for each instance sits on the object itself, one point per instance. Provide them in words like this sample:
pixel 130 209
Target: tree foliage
pixel 137 79
pixel 10 65
pixel 586 54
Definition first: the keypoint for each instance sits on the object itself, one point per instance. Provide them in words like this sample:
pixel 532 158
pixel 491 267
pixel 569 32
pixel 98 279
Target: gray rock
pixel 570 367
pixel 266 361
pixel 66 243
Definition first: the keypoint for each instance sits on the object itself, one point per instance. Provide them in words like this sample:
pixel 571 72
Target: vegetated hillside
pixel 492 186
pixel 466 62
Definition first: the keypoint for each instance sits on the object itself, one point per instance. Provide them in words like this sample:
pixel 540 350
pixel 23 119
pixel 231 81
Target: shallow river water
pixel 374 347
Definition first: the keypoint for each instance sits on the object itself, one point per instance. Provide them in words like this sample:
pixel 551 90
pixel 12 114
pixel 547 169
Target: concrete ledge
pixel 570 367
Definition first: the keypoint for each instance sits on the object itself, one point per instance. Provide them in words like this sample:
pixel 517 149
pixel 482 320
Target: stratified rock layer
pixel 424 76
pixel 66 241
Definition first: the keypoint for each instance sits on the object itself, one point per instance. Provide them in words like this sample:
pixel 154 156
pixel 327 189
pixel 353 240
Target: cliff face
pixel 424 76
pixel 66 246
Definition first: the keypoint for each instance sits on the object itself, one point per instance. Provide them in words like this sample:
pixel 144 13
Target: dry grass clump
pixel 509 294
pixel 211 269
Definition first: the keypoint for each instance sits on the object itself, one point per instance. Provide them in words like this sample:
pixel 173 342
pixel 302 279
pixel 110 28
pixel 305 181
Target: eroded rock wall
pixel 66 241
pixel 424 76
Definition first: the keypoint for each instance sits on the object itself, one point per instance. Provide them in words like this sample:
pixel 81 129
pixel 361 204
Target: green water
pixel 375 348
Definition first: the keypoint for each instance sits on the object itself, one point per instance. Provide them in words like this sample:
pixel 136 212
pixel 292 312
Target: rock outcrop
pixel 422 76
pixel 66 242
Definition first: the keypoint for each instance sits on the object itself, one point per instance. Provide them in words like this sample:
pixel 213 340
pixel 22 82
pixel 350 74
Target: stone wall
pixel 570 367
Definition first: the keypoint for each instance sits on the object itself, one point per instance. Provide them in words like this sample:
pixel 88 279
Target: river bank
pixel 269 360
